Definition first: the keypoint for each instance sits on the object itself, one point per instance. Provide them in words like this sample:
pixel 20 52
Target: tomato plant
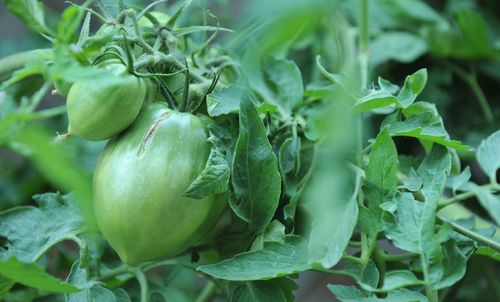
pixel 223 152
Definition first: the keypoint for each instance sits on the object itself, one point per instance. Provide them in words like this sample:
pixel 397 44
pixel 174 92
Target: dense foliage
pixel 205 151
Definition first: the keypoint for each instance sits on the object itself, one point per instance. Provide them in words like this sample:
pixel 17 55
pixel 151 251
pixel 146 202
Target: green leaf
pixel 433 170
pixel 286 80
pixel 446 265
pixel 53 161
pixel 198 28
pixel 92 290
pixel 413 226
pixel 5 285
pixel 24 73
pixel 457 181
pixel 279 290
pixel 488 155
pixel 403 228
pixel 413 183
pixel 489 252
pixel 452 268
pixel 489 201
pixel 367 275
pixel 290 209
pixel 32 275
pixel 382 167
pixel 374 100
pixel 398 46
pixel 424 126
pixel 70 71
pixel 213 179
pixel 31 12
pixel 346 293
pixel 275 232
pixel 395 280
pixel 31 231
pixel 352 294
pixel 255 177
pixel 387 86
pixel 381 178
pixel 289 155
pixel 274 260
pixel 67 28
pixel 398 279
pixel 413 86
pixel 320 90
pixel 85 31
pixel 472 42
pixel 226 100
pixel 333 213
pixel 334 78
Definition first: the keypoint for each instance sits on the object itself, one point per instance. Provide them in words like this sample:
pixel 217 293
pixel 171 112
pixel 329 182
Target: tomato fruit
pixel 97 112
pixel 139 181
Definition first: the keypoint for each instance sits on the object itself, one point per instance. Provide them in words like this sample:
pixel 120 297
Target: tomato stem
pixel 47 113
pixel 471 234
pixel 120 270
pixel 17 61
pixel 366 244
pixel 207 293
pixel 463 196
pixel 470 78
pixel 143 284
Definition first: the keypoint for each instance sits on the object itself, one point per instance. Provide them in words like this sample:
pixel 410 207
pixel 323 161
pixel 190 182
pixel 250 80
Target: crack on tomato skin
pixel 148 137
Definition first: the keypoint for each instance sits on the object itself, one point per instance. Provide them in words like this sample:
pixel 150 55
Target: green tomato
pixel 139 181
pixel 97 112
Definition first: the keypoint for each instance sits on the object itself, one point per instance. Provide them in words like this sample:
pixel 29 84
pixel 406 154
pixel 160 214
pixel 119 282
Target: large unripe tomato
pixel 99 111
pixel 139 181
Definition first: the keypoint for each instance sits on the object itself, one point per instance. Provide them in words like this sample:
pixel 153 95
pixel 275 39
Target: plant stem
pixel 456 198
pixel 399 257
pixel 431 294
pixel 332 271
pixel 168 262
pixel 471 79
pixel 481 98
pixel 207 292
pixel 354 244
pixel 120 270
pixel 47 113
pixel 471 234
pixel 364 42
pixel 38 96
pixel 143 284
pixel 351 258
pixel 429 291
pixel 363 73
pixel 466 195
pixel 381 265
pixel 17 61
